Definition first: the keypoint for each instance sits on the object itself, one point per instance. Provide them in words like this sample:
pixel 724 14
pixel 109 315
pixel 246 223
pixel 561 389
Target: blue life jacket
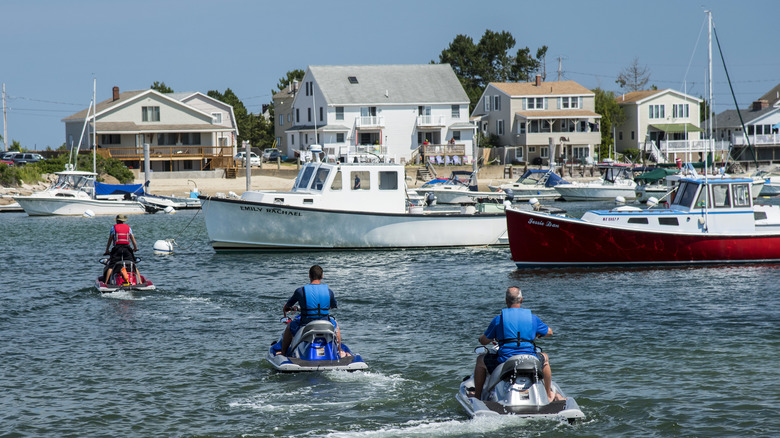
pixel 316 298
pixel 516 333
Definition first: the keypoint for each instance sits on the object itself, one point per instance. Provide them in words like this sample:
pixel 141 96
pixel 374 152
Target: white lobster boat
pixel 345 206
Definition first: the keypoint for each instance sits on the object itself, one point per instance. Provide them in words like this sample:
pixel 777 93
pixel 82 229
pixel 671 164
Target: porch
pixel 173 158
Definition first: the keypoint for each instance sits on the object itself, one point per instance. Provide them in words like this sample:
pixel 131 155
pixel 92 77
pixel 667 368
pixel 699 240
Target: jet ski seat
pixel 525 365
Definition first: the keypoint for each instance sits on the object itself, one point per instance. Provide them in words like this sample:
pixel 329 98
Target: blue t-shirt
pixel 508 350
pixel 298 297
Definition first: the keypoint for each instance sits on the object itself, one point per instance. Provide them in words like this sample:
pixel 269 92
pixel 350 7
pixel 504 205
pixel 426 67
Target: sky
pixel 53 49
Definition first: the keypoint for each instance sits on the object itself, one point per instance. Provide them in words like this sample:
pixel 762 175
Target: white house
pixel 537 116
pixel 185 131
pixel 399 113
pixel 762 128
pixel 663 123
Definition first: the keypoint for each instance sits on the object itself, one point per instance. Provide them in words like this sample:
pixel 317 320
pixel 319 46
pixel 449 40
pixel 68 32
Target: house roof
pixel 124 97
pixel 772 96
pixel 639 97
pixel 130 127
pixel 730 118
pixel 560 88
pixel 128 96
pixel 559 114
pixel 389 84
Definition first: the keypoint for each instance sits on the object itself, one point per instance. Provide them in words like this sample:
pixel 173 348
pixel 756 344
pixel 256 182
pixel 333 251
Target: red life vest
pixel 122 234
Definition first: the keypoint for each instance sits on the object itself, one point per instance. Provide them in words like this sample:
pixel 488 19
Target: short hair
pixel 315 272
pixel 513 295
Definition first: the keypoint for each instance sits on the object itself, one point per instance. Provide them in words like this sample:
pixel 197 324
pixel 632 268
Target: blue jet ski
pixel 314 348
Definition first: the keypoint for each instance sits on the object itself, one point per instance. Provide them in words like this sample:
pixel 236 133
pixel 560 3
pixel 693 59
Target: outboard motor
pixel 510 195
pixel 430 199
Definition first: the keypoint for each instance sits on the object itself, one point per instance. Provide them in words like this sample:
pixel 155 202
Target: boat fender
pixel 89 213
pixel 163 247
pixel 535 204
pixel 170 210
pixel 619 200
pixel 652 202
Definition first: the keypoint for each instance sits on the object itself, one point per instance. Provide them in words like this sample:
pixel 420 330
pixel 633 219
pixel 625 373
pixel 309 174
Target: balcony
pixel 684 146
pixel 755 140
pixel 370 122
pixel 208 156
pixel 430 121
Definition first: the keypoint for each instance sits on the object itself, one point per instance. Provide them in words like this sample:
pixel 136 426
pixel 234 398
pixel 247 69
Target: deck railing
pixel 209 157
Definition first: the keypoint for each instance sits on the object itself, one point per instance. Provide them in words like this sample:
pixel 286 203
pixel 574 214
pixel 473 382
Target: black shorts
pixel 491 361
pixel 121 252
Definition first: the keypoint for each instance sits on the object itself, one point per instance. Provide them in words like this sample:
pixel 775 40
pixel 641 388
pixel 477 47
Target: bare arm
pixel 135 245
pixel 484 340
pixel 108 245
pixel 549 332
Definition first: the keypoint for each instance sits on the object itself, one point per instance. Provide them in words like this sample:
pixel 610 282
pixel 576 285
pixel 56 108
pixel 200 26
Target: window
pixel 150 113
pixel 339 113
pixel 487 103
pixel 543 151
pixel 668 221
pixel 620 135
pixel 521 128
pixel 531 149
pixel 110 139
pixel 632 135
pixel 320 114
pixel 297 115
pixel 281 120
pixel 500 127
pixel 353 79
pixel 580 152
pixel 720 195
pixel 496 103
pixel 336 184
pixel 570 102
pixel 637 220
pixel 217 118
pixel 190 138
pixel 455 111
pixel 292 139
pixel 340 137
pixel 303 182
pixel 168 139
pixel 308 111
pixel 456 135
pixel 740 193
pixel 567 125
pixel 319 178
pixel 388 180
pixel 360 180
pixel 534 103
pixel 656 111
pixel 680 110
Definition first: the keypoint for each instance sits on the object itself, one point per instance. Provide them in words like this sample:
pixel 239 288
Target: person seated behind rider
pixel 514 330
pixel 315 300
pixel 121 235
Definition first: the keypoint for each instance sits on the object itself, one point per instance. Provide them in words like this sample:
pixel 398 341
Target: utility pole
pixel 5 122
pixel 560 70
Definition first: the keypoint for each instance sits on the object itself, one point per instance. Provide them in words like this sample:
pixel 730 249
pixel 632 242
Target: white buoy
pixel 620 200
pixel 163 247
pixel 169 209
pixel 89 213
pixel 535 204
pixel 652 202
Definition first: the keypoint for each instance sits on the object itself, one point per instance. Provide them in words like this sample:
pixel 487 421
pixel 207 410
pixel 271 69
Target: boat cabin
pixel 719 194
pixel 343 187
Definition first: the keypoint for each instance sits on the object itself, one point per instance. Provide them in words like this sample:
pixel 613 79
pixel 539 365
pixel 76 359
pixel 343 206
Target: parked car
pixel 271 154
pixel 8 158
pixel 25 158
pixel 254 159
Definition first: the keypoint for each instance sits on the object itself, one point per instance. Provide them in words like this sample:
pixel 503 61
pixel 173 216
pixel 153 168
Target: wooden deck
pixel 208 157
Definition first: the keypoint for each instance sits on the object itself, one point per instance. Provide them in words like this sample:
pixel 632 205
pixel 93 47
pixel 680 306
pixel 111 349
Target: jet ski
pixel 123 277
pixel 516 387
pixel 313 348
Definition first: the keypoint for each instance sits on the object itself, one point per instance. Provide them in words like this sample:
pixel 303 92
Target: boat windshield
pixel 69 181
pixel 319 178
pixel 686 194
pixel 305 177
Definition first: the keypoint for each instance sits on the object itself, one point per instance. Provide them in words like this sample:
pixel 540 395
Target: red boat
pixel 709 221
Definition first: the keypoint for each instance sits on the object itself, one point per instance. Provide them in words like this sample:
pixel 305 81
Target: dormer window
pixel 353 79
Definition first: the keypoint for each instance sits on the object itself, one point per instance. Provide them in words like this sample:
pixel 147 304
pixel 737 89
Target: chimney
pixel 760 104
pixel 295 86
pixel 538 80
pixel 116 93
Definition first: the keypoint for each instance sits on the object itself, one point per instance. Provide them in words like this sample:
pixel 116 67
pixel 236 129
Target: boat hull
pixel 56 206
pixel 572 192
pixel 542 240
pixel 240 225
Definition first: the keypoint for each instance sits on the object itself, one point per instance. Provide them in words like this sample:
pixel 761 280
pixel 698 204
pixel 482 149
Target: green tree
pixel 252 128
pixel 611 115
pixel 292 75
pixel 161 87
pixel 490 60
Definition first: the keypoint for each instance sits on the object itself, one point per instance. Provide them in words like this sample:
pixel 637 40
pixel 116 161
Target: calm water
pixel 668 352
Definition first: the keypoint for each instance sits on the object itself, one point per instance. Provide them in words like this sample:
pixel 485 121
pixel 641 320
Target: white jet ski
pixel 314 348
pixel 123 277
pixel 516 387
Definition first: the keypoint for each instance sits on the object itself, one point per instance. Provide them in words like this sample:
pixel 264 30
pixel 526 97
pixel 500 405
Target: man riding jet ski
pixel 312 340
pixel 514 378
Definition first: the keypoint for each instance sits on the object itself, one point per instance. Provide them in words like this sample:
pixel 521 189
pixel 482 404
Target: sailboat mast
pixel 94 126
pixel 709 106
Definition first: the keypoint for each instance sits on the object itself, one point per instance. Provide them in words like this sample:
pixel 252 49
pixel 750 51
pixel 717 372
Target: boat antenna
pixel 728 79
pixel 94 126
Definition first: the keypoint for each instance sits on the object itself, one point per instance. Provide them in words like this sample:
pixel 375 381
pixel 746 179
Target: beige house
pixel 185 131
pixel 663 123
pixel 283 116
pixel 543 120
